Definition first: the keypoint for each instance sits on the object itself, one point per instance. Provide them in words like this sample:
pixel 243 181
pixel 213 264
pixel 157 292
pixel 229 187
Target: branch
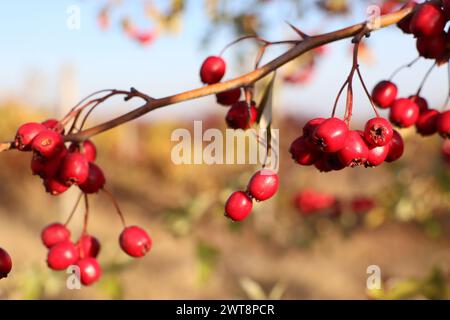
pixel 244 80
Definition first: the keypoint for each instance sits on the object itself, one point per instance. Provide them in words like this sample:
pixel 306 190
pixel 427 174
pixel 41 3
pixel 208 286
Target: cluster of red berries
pixel 5 263
pixel 240 115
pixel 329 144
pixel 59 167
pixel 427 24
pixel 311 202
pixel 414 110
pixel 262 186
pixel 63 252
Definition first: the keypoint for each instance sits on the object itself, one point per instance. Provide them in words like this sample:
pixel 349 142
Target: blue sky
pixel 34 37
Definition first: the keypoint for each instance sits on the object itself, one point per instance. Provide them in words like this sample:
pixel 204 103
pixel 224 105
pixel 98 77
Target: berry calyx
pixel 308 130
pixel 384 94
pixel 212 70
pixel 87 149
pixel 238 206
pixel 90 270
pixel 25 135
pixel 302 153
pixel 47 143
pixel 74 169
pixel 88 246
pixel 330 135
pixel 404 113
pixel 427 122
pixel 263 184
pixel 396 147
pixel 62 255
pixel 135 241
pixel 5 263
pixel 229 97
pixel 443 124
pixel 240 116
pixel 378 131
pixel 54 233
pixel 355 151
pixel 95 180
pixel 427 20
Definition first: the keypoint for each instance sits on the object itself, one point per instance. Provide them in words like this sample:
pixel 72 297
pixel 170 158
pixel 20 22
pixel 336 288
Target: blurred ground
pixel 197 253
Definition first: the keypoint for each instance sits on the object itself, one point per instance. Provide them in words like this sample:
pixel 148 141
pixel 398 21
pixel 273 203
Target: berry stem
pixel 5 146
pixel 408 65
pixel 74 209
pixel 116 205
pixel 86 214
pixel 425 79
pixel 367 91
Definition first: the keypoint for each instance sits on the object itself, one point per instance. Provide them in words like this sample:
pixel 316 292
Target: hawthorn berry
pixel 427 20
pixel 135 241
pixel 405 23
pixel 330 135
pixel 88 246
pixel 443 124
pixel 5 263
pixel 90 270
pixel 229 97
pixel 377 155
pixel 308 130
pixel 432 47
pixel 53 124
pixel 55 186
pixel 329 162
pixel 47 143
pixel 212 70
pixel 95 180
pixel 404 113
pixel 238 206
pixel 420 101
pixel 355 151
pixel 62 255
pixel 240 117
pixel 302 153
pixel 427 122
pixel 384 94
pixel 25 135
pixel 378 131
pixel 263 184
pixel 54 233
pixel 47 167
pixel 396 147
pixel 74 169
pixel 87 149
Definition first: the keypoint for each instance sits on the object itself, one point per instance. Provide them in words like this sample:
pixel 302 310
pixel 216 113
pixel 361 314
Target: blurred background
pixel 314 240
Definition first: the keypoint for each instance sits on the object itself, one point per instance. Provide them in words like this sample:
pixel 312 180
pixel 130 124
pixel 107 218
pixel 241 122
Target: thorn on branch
pixel 302 34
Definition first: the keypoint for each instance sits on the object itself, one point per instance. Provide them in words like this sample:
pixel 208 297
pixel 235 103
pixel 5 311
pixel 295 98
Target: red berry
pixel 404 113
pixel 229 97
pixel 5 263
pixel 263 184
pixel 88 150
pixel 302 153
pixel 74 169
pixel 420 101
pixel 355 151
pixel 212 70
pixel 47 167
pixel 378 131
pixel 330 135
pixel 88 246
pixel 396 147
pixel 53 124
pixel 55 186
pixel 47 143
pixel 362 205
pixel 405 23
pixel 239 116
pixel 384 94
pixel 427 20
pixel 25 135
pixel 62 255
pixel 238 206
pixel 95 181
pixel 443 124
pixel 376 155
pixel 427 123
pixel 54 233
pixel 432 47
pixel 90 270
pixel 329 162
pixel 135 241
pixel 308 130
